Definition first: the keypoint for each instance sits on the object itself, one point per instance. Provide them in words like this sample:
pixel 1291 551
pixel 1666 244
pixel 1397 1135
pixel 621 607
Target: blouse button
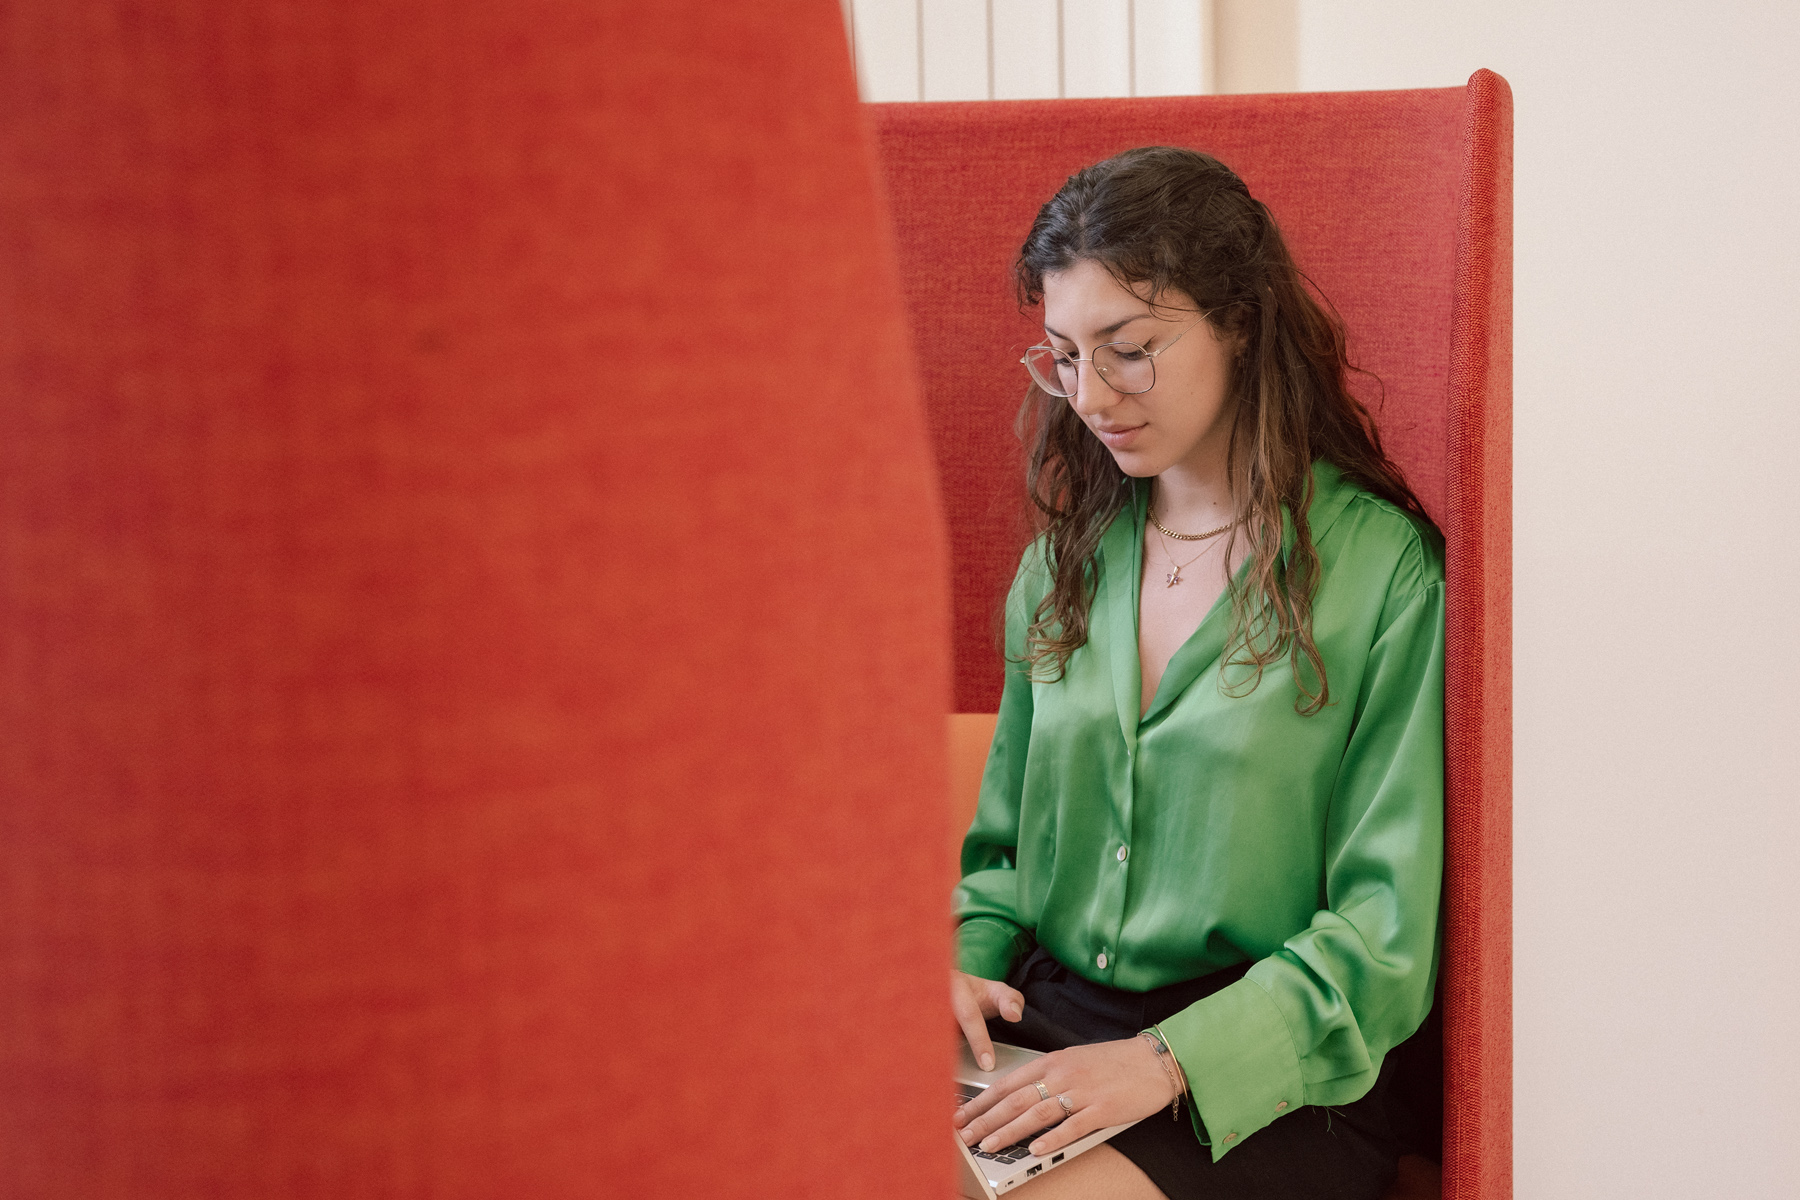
pixel 1281 1106
pixel 1231 1137
pixel 1124 853
pixel 1100 961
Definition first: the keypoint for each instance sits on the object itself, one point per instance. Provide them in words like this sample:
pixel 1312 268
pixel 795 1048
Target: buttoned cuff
pixel 1241 1066
pixel 989 947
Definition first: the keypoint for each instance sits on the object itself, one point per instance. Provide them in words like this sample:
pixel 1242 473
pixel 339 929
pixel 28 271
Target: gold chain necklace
pixel 1187 537
pixel 1174 575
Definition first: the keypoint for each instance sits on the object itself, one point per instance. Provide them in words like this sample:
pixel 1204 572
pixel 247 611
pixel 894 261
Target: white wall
pixel 1657 688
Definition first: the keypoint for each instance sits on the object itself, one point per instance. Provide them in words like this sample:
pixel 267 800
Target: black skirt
pixel 1345 1152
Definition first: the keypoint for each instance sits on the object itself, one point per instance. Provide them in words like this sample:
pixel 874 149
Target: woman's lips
pixel 1117 438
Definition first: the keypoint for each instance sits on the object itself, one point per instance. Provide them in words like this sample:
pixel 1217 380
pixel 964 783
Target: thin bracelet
pixel 1154 1037
pixel 1180 1071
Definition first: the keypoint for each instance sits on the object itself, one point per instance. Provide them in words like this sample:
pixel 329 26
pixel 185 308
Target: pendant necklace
pixel 1175 568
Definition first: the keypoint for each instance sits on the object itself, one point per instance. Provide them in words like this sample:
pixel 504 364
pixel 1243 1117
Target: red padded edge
pixel 472 610
pixel 1478 684
pixel 1363 183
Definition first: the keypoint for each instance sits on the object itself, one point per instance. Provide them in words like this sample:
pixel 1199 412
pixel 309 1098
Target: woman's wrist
pixel 1159 1045
pixel 1181 1079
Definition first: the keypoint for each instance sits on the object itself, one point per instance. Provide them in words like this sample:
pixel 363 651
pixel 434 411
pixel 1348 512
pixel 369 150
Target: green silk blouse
pixel 1219 829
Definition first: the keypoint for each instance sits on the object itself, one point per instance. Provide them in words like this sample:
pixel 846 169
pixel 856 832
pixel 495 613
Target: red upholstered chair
pixel 473 627
pixel 1398 204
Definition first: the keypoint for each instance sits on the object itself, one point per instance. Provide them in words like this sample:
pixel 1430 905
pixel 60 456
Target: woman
pixel 1208 850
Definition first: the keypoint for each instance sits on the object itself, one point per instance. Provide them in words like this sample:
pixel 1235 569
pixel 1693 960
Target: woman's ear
pixel 1234 332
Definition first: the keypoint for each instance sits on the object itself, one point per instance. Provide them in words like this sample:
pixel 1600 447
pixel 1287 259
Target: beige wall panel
pixel 1027 48
pixel 1096 48
pixel 887 48
pixel 956 49
pixel 1256 45
pixel 1172 47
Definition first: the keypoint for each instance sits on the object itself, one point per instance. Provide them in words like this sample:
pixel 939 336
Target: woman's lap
pixel 1343 1153
pixel 1311 1154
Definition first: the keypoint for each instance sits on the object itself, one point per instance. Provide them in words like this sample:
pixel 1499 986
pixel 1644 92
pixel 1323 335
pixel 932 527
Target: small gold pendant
pixel 1174 577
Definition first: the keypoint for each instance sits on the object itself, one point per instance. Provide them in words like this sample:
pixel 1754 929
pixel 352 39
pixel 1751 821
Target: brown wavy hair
pixel 1184 224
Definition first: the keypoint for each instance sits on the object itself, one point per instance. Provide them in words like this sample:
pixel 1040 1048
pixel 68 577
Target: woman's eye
pixel 1129 355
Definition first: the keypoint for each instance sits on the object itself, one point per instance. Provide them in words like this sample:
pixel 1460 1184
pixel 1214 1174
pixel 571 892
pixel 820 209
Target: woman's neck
pixel 1188 501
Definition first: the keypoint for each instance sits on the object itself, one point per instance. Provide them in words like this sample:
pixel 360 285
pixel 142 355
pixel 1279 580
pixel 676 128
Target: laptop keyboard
pixel 1005 1154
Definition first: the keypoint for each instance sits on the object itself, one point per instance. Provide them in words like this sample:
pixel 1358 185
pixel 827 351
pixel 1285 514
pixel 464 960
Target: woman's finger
pixel 991 1096
pixel 1078 1126
pixel 1001 1089
pixel 1040 1114
pixel 1016 1085
pixel 971 1022
pixel 1003 1102
pixel 1008 1002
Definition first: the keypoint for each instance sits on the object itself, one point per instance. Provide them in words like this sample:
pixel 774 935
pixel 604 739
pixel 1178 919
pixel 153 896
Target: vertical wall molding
pixel 990 48
pixel 1062 84
pixel 1131 47
pixel 1037 49
pixel 919 41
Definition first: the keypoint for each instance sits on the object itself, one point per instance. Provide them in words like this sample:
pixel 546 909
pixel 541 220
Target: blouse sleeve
pixel 1311 1023
pixel 990 939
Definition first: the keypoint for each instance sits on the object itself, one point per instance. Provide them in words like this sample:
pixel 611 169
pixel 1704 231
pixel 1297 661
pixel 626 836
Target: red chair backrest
pixel 1397 204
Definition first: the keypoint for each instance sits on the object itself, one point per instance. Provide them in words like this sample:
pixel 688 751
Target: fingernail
pixel 987 1062
pixel 989 1143
pixel 1038 1148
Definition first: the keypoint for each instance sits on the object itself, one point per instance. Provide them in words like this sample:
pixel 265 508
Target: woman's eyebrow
pixel 1107 332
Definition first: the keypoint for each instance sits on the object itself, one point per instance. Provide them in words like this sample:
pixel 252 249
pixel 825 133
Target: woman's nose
pixel 1092 394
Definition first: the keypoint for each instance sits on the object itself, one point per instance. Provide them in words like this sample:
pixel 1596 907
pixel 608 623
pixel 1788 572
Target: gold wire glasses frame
pixel 1116 363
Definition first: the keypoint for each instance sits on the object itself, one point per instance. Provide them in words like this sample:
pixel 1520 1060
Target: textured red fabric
pixel 1478 663
pixel 1397 204
pixel 472 609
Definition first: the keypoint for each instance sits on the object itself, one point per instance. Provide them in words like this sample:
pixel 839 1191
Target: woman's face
pixel 1184 420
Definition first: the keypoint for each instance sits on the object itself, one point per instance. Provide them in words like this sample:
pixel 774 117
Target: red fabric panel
pixel 1363 183
pixel 1478 660
pixel 472 613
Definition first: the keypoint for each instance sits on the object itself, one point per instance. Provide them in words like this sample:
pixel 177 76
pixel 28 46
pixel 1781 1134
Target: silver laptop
pixel 985 1176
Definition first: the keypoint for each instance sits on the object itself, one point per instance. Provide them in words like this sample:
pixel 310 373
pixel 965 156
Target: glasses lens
pixel 1052 370
pixel 1125 367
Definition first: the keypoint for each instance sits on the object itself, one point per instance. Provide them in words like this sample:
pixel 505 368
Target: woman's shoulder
pixel 1374 536
pixel 1032 580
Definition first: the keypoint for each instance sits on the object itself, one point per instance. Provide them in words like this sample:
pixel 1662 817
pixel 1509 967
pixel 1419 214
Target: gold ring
pixel 1043 1092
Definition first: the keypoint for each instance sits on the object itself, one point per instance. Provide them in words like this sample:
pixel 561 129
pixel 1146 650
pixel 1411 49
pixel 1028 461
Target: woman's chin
pixel 1137 464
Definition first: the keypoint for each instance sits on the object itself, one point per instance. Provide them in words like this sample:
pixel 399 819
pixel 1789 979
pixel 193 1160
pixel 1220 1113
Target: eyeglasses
pixel 1125 367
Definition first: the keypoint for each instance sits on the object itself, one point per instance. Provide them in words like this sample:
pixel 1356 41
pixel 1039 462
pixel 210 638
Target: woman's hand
pixel 1107 1083
pixel 973 1000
